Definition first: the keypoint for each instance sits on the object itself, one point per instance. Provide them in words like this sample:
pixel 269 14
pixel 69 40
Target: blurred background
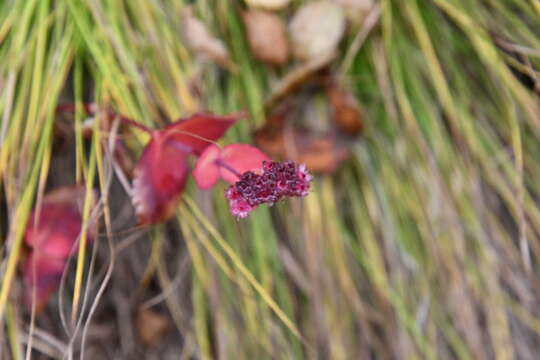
pixel 419 119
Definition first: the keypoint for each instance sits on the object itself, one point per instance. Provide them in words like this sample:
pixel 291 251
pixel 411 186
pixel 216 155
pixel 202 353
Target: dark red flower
pixel 276 181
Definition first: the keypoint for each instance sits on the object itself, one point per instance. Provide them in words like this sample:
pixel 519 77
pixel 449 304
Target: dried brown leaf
pixel 151 326
pixel 320 153
pixel 346 111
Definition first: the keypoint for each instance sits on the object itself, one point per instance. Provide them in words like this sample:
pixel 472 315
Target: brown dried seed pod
pixel 316 29
pixel 267 37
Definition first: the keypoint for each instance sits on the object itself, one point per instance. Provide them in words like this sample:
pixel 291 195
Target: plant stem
pixel 180 146
pixel 226 166
pixel 91 109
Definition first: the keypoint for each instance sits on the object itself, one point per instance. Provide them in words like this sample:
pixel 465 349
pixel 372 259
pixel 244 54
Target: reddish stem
pixel 91 109
pixel 223 164
pixel 132 122
pixel 180 146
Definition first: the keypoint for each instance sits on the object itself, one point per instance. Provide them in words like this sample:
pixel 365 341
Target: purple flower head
pixel 277 179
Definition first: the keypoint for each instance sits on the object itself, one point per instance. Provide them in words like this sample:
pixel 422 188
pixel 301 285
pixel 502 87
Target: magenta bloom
pixel 276 181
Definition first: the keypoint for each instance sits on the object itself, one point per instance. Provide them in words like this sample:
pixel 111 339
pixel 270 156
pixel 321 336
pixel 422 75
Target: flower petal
pixel 206 172
pixel 241 158
pixel 199 130
pixel 159 178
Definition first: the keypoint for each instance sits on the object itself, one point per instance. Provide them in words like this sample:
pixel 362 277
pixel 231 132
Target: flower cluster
pixel 276 181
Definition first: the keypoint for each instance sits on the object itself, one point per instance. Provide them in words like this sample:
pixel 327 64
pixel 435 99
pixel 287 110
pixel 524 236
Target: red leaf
pixel 161 173
pixel 159 178
pixel 199 130
pixel 52 232
pixel 206 172
pixel 56 231
pixel 43 274
pixel 241 158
